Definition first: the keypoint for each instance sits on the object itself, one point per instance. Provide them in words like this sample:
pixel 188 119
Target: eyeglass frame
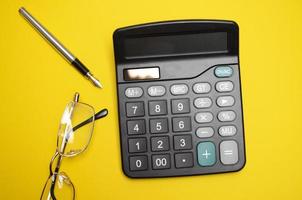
pixel 95 116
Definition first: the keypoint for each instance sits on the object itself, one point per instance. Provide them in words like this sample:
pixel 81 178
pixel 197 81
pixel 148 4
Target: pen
pixel 60 48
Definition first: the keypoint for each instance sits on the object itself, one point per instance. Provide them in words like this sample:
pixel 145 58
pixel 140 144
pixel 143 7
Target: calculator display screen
pixel 175 45
pixel 141 74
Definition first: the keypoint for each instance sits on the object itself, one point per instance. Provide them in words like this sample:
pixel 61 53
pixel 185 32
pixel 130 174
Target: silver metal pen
pixel 60 48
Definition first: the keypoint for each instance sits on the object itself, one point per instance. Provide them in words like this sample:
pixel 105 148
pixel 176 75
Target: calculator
pixel 179 98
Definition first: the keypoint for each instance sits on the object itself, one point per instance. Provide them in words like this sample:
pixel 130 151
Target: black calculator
pixel 179 98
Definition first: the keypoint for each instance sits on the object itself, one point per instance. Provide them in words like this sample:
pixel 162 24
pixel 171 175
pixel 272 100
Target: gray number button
pixel 204 102
pixel 136 127
pixel 161 161
pixel 203 117
pixel 229 152
pixel 156 91
pixel 134 92
pixel 135 109
pixel 225 101
pixel 227 130
pixel 160 143
pixel 181 124
pixel 138 163
pixel 224 86
pixel 158 107
pixel 226 116
pixel 179 89
pixel 201 88
pixel 204 132
pixel 159 125
pixel 180 106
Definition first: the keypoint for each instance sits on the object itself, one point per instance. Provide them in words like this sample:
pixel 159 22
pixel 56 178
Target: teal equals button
pixel 206 154
pixel 223 71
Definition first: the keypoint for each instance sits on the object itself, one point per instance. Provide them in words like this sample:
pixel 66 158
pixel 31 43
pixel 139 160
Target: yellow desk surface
pixel 36 83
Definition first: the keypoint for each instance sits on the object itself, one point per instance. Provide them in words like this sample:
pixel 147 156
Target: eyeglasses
pixel 74 135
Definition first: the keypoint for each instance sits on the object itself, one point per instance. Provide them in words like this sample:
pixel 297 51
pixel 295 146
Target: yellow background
pixel 36 84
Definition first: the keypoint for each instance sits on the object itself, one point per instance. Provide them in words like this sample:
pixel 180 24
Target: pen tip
pixel 98 84
pixel 94 80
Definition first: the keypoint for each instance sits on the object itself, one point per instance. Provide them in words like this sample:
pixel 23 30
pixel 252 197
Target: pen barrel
pixel 80 66
pixel 47 35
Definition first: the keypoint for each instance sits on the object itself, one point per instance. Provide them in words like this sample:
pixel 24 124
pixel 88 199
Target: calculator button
pixel 226 116
pixel 223 71
pixel 137 145
pixel 201 88
pixel 225 101
pixel 205 132
pixel 157 107
pixel 182 142
pixel 183 160
pixel 135 109
pixel 224 86
pixel 203 117
pixel 138 163
pixel 179 89
pixel 206 154
pixel 156 91
pixel 202 102
pixel 161 161
pixel 181 124
pixel 134 92
pixel 227 130
pixel 229 152
pixel 159 125
pixel 180 106
pixel 160 143
pixel 136 127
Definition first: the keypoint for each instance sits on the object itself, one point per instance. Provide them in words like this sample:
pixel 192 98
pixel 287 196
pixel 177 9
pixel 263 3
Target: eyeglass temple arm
pixel 98 115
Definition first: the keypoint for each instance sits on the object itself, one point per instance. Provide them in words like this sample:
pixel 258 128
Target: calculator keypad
pixel 177 125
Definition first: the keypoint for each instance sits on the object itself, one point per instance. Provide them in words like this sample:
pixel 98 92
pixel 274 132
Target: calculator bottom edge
pixel 183 172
